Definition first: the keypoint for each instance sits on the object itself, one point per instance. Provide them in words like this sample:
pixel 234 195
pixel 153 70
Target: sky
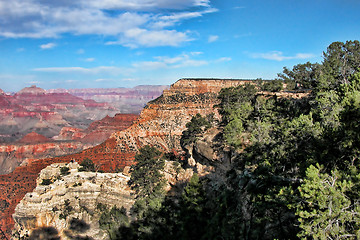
pixel 125 43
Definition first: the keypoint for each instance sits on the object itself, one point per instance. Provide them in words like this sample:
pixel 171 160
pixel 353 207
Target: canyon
pixel 35 110
pixel 70 140
pixel 64 123
pixel 160 124
pixel 127 100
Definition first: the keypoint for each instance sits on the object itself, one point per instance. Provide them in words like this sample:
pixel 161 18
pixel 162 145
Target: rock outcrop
pixel 59 199
pixel 21 153
pixel 163 120
pixel 34 137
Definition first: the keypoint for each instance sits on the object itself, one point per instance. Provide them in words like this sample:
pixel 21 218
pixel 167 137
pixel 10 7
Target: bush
pixel 46 181
pixel 272 86
pixel 195 127
pixel 87 166
pixel 64 171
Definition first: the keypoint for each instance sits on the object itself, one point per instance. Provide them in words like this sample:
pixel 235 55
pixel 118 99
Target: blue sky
pixel 124 43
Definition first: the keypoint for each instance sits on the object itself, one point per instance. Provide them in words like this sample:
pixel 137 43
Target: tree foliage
pixel 326 211
pixel 147 179
pixel 197 125
pixel 87 165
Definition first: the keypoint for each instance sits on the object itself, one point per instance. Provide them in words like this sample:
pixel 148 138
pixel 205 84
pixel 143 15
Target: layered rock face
pixel 22 180
pixel 127 100
pixel 68 197
pixel 163 120
pixel 70 141
pixel 160 124
pixel 34 110
pixel 16 154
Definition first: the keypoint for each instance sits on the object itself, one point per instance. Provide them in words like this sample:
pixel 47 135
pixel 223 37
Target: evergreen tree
pixel 326 211
pixel 147 180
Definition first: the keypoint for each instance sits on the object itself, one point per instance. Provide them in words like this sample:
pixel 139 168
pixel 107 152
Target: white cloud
pixel 33 82
pixel 103 80
pixel 137 37
pixel 213 38
pixel 129 79
pixel 89 59
pixel 278 56
pixel 96 70
pixel 196 53
pixel 80 51
pixel 146 5
pixel 163 21
pixel 224 59
pixel 71 81
pixel 183 60
pixel 10 78
pixel 48 46
pixel 131 23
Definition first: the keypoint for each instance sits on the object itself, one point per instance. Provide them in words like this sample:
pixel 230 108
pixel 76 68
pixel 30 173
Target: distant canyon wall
pixel 126 100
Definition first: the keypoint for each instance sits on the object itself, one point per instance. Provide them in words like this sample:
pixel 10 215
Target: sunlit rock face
pixel 68 197
pixel 69 141
pixel 163 120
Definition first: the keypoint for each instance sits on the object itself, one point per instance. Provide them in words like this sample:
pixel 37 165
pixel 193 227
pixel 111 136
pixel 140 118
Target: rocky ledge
pixel 62 197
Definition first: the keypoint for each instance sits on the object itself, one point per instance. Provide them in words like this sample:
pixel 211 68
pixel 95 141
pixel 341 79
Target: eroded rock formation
pixel 70 141
pixel 70 197
pixel 127 100
pixel 163 120
pixel 34 110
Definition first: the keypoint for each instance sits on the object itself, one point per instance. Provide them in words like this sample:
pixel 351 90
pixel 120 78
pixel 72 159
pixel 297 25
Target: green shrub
pixel 87 166
pixel 46 181
pixel 64 171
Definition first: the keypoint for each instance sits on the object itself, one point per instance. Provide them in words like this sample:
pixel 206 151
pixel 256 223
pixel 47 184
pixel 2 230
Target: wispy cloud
pixel 34 82
pixel 89 59
pixel 80 51
pixel 104 80
pixel 131 23
pixel 223 59
pixel 4 78
pixel 279 56
pixel 213 38
pixel 47 46
pixel 136 37
pixel 183 60
pixel 71 81
pixel 96 70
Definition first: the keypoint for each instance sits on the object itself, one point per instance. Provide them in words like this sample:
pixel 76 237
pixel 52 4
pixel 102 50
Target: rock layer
pixel 69 197
pixel 127 100
pixel 163 120
pixel 70 141
pixel 35 110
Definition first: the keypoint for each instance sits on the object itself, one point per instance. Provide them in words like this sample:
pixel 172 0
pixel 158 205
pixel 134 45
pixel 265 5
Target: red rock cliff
pixel 163 120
